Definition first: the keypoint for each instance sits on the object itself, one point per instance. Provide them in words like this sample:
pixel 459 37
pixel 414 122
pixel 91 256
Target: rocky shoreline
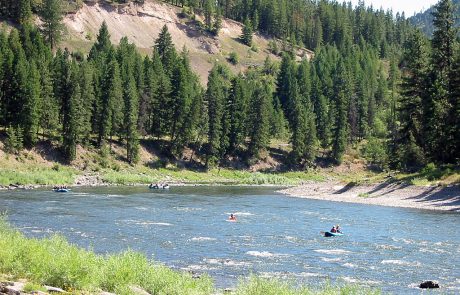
pixel 392 194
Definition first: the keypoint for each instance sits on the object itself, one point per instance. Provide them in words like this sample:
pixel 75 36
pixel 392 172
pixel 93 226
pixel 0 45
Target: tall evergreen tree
pixel 259 129
pixel 415 84
pixel 70 102
pixel 103 45
pixel 341 92
pixel 31 106
pixel 166 50
pixel 130 120
pixel 86 103
pixel 215 98
pixel 246 36
pixel 238 110
pixel 25 12
pixel 440 115
pixel 51 16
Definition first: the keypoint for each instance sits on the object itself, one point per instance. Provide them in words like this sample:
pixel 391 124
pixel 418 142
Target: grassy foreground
pixel 55 262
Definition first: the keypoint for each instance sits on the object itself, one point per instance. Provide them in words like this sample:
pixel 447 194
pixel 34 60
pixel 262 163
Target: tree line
pixel 310 24
pixel 405 108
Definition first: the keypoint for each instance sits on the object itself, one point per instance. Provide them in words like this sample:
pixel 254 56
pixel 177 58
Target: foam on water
pixel 326 259
pixel 388 247
pixel 349 265
pixel 400 262
pixel 333 251
pixel 162 223
pixel 353 280
pixel 145 222
pixel 188 209
pixel 432 250
pixel 200 239
pixel 265 254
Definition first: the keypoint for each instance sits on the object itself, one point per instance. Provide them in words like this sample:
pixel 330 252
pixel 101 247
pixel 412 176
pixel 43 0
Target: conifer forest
pixel 374 79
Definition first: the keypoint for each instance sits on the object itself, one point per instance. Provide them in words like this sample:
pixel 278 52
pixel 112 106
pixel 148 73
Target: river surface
pixel 186 228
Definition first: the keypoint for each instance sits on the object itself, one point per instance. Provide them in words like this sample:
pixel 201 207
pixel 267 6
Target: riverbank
pixel 389 193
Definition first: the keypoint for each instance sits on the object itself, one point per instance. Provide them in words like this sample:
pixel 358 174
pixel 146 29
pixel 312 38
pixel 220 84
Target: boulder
pixel 138 290
pixel 54 289
pixel 11 288
pixel 429 285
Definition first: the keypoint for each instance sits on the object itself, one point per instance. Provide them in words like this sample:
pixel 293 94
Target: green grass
pixel 55 262
pixel 38 175
pixel 364 195
pixel 31 287
pixel 432 175
pixel 257 286
pixel 221 176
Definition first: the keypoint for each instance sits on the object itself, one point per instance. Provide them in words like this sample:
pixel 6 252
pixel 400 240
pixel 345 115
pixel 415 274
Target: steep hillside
pixel 424 20
pixel 142 24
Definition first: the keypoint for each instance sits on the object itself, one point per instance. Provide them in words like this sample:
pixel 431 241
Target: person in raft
pixel 333 229
pixel 232 217
pixel 337 229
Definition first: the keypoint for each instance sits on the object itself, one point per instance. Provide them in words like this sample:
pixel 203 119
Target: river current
pixel 186 228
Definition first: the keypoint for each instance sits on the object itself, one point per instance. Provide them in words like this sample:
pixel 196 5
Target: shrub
pixel 14 143
pixel 375 152
pixel 273 47
pixel 233 58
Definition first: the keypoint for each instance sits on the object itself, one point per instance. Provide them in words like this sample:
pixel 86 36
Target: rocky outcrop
pixel 429 285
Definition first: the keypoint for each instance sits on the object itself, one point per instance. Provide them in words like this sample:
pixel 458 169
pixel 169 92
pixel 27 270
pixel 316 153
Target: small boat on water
pixel 159 186
pixel 61 190
pixel 329 234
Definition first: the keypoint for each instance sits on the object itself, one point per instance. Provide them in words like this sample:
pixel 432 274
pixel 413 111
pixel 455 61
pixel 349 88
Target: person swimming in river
pixel 232 217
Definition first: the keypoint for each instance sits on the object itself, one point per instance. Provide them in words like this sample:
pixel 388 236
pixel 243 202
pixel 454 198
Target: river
pixel 186 228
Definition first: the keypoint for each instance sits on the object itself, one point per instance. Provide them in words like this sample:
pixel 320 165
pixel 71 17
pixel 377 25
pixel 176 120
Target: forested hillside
pixel 382 85
pixel 424 20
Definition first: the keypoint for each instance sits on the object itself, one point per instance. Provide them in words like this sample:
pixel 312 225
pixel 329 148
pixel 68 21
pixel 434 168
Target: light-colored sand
pixel 384 194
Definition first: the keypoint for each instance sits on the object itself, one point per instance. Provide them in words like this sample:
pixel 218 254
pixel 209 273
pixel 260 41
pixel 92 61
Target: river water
pixel 186 228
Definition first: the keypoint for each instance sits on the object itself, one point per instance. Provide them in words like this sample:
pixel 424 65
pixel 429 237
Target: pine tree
pixel 166 50
pixel 14 141
pixel 215 98
pixel 49 106
pixel 341 92
pixel 161 100
pixel 208 12
pixel 31 106
pixel 246 36
pixel 414 89
pixel 238 108
pixel 304 116
pixel 440 116
pixel 103 45
pixel 69 109
pixel 25 12
pixel 51 16
pixel 111 101
pixel 130 120
pixel 87 101
pixel 259 129
pixel 185 88
pixel 217 25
